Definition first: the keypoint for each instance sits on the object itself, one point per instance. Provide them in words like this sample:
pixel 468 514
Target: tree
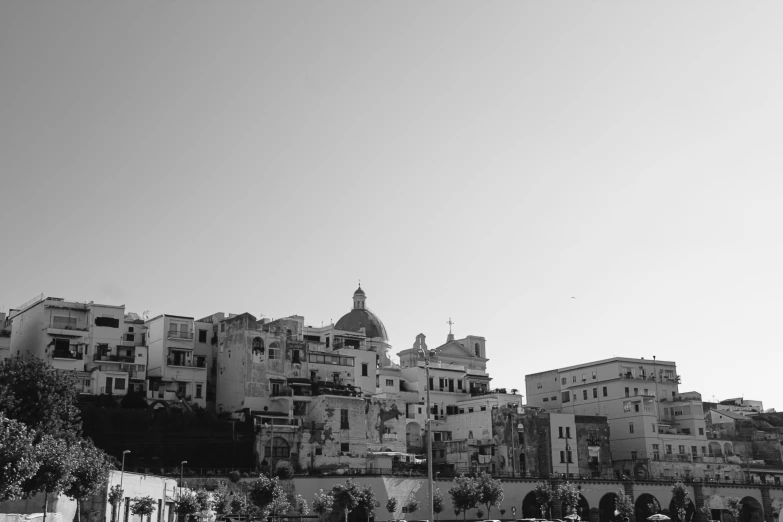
pixel 346 497
pixel 514 391
pixel 367 500
pixel 680 499
pixel 267 496
pixel 624 504
pixel 299 504
pixel 284 470
pixel 143 506
pixel 41 397
pixel 391 505
pixel 323 502
pixel 544 496
pixel 115 497
pixel 18 458
pixel 734 506
pixel 464 494
pixel 55 474
pixel 187 504
pixel 413 505
pixel 437 502
pixel 90 473
pixel 479 513
pixel 489 491
pixel 221 500
pixel 569 496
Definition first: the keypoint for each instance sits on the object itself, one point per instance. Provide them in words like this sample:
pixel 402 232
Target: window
pixel 630 427
pixel 275 388
pixel 459 385
pixel 560 432
pixel 477 349
pixel 130 328
pixel 595 393
pixel 570 457
pixel 704 450
pixel 389 382
pixel 470 410
pixel 566 396
pixel 143 339
pixel 633 455
pixel 277 448
pixel 636 407
pixel 546 399
pixel 583 378
pixel 539 385
pixel 606 392
pixel 365 369
pixel 636 391
pixel 627 392
pixel 344 419
pixel 554 398
pixel 562 457
pixel 645 392
pixel 573 378
pixel 584 395
pixel 432 383
pixel 222 327
pixel 653 427
pixel 198 390
pixel 626 406
pixel 693 451
pixel 274 351
pixel 563 380
pixel 319 451
pixel 345 447
pixel 483 408
pixel 701 431
pixel 130 337
pixel 119 384
pixel 66 323
pixel 108 322
pixel 668 449
pixel 568 432
pixel 656 452
pixel 202 336
pixel 595 374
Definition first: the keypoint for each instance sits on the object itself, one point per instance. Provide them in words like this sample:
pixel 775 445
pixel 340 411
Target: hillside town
pixel 331 401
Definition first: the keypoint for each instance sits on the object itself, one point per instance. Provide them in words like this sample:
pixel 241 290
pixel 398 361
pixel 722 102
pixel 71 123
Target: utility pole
pixel 429 437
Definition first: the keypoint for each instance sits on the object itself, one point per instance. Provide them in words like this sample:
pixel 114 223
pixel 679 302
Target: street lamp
pixel 568 459
pixel 429 434
pixel 122 473
pixel 181 469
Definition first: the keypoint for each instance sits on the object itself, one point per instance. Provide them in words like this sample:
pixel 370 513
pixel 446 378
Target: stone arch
pixel 690 512
pixel 727 449
pixel 645 506
pixel 715 449
pixel 530 507
pixel 751 510
pixel 277 448
pixel 606 507
pixel 257 349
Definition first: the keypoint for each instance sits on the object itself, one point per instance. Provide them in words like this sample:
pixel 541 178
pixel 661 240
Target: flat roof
pixel 605 361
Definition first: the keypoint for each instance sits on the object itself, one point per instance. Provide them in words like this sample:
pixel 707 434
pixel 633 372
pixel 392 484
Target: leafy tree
pixel 681 499
pixel 367 500
pixel 569 496
pixel 734 506
pixel 284 470
pixel 222 500
pixel 479 513
pixel 90 474
pixel 41 397
pixel 323 502
pixel 437 502
pixel 299 505
pixel 346 497
pixel 18 458
pixel 464 494
pixel 624 504
pixel 204 500
pixel 544 496
pixel 267 496
pixel 413 505
pixel 391 505
pixel 489 491
pixel 187 504
pixel 115 497
pixel 502 512
pixel 143 506
pixel 55 474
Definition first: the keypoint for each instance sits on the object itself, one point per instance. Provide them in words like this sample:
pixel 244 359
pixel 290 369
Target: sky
pixel 571 180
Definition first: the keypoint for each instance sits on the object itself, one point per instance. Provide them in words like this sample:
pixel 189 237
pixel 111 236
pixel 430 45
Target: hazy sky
pixel 571 180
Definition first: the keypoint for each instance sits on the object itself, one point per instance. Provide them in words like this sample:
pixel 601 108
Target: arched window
pixel 274 351
pixel 277 448
pixel 258 345
pixel 477 348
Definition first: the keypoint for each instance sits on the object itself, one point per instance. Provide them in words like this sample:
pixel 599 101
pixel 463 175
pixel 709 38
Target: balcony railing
pixel 179 335
pixel 68 326
pixel 63 354
pixel 171 361
pixel 390 436
pixel 114 358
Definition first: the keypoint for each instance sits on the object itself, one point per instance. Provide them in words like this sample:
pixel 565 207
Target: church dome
pixel 360 317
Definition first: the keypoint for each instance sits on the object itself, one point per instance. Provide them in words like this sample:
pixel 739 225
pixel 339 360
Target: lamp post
pixel 181 470
pixel 122 473
pixel 568 459
pixel 429 436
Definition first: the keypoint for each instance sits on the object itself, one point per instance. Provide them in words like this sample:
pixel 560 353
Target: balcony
pixel 390 436
pixel 66 329
pixel 677 457
pixel 178 335
pixel 114 358
pixel 65 354
pixel 183 363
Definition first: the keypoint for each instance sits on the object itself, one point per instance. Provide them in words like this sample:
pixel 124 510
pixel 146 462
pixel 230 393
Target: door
pixel 451 385
pixel 109 384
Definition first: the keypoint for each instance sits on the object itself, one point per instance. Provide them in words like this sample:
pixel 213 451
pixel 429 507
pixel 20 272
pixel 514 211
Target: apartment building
pixel 176 373
pixel 5 336
pixel 655 429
